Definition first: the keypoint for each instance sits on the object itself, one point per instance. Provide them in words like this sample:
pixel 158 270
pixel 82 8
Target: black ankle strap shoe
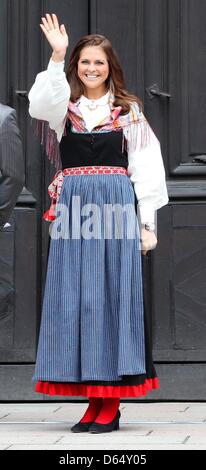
pixel 112 426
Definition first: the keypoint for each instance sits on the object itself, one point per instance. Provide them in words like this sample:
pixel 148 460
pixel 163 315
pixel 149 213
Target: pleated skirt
pixel 95 332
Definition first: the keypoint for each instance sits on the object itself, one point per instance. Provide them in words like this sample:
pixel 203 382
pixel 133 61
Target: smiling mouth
pixel 91 77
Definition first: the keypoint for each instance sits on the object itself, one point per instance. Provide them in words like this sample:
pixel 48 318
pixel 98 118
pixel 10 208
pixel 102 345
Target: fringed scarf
pixel 136 135
pixel 48 140
pixel 136 129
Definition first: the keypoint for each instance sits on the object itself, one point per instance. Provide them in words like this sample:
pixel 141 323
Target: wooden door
pixel 161 46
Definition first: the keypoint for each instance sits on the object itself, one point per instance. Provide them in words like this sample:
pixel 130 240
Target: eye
pixel 98 62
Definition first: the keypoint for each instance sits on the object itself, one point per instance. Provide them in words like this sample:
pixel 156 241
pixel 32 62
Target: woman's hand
pixel 148 240
pixel 56 36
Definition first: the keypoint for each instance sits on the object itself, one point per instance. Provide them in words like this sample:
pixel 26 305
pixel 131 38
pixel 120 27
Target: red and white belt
pixel 54 189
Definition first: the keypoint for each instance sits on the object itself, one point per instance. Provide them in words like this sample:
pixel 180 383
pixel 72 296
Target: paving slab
pixel 42 426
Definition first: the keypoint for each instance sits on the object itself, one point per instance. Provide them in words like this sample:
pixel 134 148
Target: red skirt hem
pixel 97 390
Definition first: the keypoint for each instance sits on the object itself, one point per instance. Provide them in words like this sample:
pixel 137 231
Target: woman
pixel 94 337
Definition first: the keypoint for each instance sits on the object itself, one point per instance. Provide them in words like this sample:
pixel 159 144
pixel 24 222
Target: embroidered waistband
pixel 54 189
pixel 92 170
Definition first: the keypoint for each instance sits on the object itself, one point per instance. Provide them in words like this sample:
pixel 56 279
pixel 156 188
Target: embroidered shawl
pixel 136 129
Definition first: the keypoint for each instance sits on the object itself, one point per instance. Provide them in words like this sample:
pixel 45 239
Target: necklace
pixel 92 105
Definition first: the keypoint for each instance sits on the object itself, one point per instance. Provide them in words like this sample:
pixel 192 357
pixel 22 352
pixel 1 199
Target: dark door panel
pixel 161 48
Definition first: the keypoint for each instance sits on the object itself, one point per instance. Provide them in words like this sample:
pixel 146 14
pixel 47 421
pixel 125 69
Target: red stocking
pixel 95 404
pixel 108 410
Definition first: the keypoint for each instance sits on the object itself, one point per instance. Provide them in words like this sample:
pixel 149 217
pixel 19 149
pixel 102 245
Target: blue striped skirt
pixel 92 324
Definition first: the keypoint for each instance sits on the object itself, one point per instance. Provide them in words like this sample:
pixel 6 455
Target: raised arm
pixel 50 93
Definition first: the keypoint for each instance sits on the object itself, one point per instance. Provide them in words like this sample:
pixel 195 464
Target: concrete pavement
pixel 142 426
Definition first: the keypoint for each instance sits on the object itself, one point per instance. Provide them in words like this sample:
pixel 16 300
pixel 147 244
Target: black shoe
pixel 81 427
pixel 112 426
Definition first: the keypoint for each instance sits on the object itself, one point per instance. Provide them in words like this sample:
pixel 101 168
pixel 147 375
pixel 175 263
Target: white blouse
pixel 48 100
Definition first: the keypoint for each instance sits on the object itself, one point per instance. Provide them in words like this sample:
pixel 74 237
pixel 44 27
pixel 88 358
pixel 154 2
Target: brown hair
pixel 115 80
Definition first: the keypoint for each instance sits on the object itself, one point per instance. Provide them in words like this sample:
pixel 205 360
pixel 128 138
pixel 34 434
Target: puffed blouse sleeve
pixel 49 97
pixel 146 171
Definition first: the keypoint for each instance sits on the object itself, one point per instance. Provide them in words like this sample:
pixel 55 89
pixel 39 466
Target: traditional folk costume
pixel 95 336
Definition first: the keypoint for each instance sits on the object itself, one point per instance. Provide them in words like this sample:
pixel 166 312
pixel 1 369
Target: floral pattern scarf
pixel 134 124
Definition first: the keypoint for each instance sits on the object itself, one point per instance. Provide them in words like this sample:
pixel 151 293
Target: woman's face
pixel 93 70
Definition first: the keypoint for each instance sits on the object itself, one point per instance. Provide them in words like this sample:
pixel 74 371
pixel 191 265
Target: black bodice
pixel 92 148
